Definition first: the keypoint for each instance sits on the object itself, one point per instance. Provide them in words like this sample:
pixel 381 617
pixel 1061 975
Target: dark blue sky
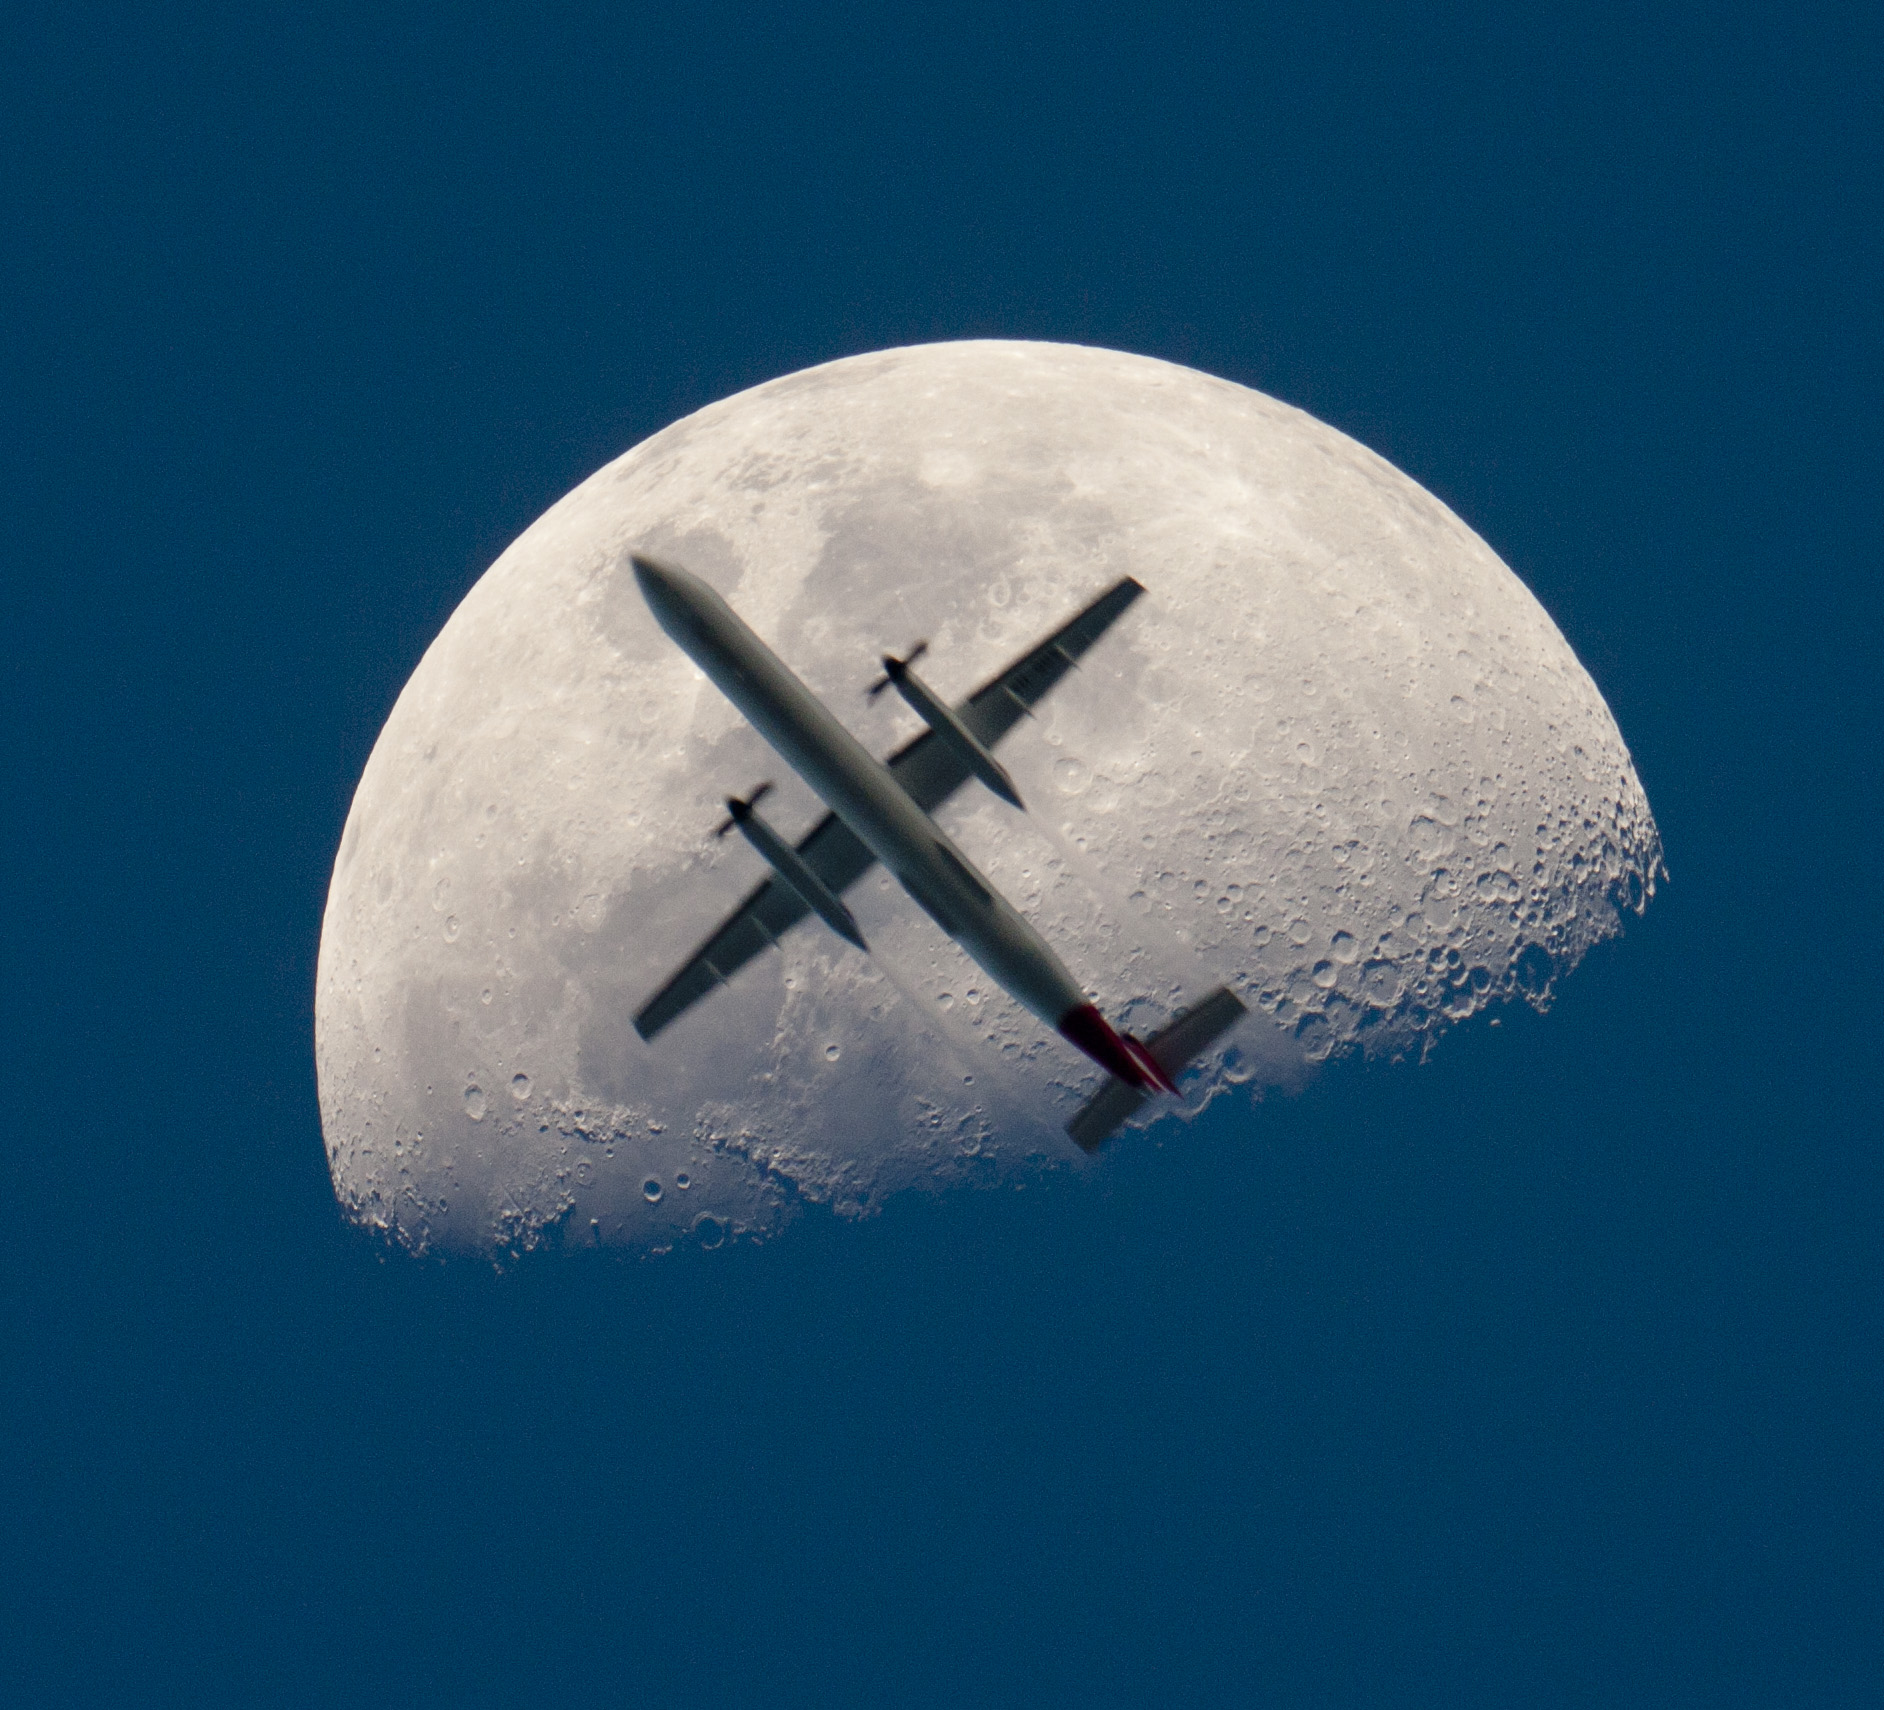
pixel 1546 1374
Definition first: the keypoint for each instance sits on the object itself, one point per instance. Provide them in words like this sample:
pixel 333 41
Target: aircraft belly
pixel 865 795
pixel 1023 964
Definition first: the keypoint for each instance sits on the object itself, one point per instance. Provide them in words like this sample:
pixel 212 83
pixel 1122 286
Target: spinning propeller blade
pixel 894 667
pixel 738 809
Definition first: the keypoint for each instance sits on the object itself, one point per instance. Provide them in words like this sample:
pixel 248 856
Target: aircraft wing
pixel 928 769
pixel 996 707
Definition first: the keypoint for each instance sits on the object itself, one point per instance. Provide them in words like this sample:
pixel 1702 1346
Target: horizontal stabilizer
pixel 1186 1039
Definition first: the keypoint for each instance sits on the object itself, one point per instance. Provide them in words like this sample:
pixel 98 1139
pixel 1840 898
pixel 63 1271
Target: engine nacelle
pixel 792 869
pixel 950 729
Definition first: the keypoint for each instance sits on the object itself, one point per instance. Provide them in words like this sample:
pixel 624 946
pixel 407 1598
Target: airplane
pixel 880 811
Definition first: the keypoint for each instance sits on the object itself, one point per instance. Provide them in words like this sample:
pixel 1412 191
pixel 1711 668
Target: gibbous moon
pixel 1337 757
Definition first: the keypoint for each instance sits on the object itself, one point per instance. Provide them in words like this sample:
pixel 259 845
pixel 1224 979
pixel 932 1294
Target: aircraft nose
pixel 671 593
pixel 654 578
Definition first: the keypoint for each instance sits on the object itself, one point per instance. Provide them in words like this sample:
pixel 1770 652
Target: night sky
pixel 1546 1373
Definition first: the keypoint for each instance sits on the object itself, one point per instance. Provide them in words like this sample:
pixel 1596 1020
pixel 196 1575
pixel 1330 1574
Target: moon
pixel 1338 758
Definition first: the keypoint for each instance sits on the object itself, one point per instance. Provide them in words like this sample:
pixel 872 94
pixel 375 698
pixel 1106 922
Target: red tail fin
pixel 1153 1070
pixel 1185 1039
pixel 1121 1056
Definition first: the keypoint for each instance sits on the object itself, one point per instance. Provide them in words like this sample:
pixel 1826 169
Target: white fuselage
pixel 861 791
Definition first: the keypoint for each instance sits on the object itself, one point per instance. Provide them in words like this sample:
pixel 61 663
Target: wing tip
pixel 653 1017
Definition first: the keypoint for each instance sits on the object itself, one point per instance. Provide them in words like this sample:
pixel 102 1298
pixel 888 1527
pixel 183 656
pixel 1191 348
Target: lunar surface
pixel 1337 757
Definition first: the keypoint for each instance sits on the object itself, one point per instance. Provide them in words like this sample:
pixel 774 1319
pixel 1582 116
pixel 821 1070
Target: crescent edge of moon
pixel 1339 758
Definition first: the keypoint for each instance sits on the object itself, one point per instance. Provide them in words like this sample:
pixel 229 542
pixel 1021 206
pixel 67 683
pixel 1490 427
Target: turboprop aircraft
pixel 880 811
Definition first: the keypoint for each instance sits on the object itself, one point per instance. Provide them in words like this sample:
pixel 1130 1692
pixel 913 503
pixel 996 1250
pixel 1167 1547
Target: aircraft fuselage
pixel 861 791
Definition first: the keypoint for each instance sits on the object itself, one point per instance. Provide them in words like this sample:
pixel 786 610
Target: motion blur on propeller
pixel 893 667
pixel 880 811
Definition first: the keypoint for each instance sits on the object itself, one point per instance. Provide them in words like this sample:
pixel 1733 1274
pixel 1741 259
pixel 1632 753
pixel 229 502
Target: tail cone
pixel 1120 1055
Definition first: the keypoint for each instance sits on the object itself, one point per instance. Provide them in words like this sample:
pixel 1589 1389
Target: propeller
pixel 737 810
pixel 894 668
